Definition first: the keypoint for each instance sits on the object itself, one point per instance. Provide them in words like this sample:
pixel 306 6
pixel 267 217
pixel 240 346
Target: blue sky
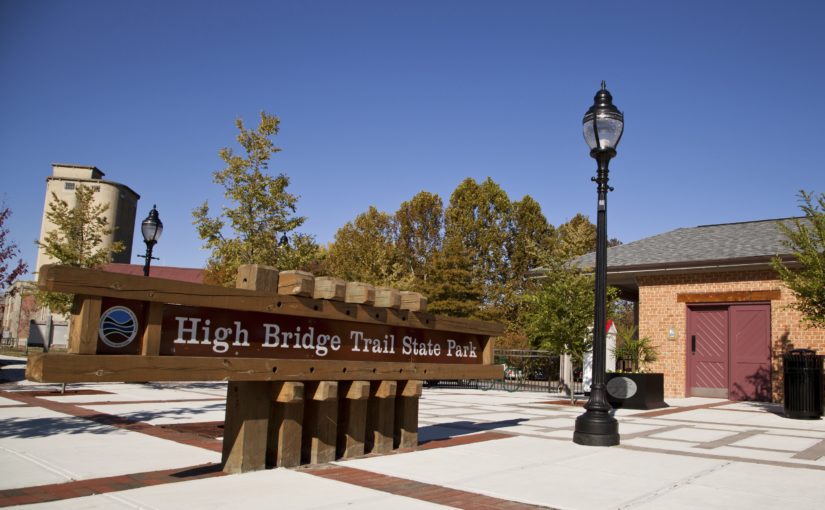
pixel 379 100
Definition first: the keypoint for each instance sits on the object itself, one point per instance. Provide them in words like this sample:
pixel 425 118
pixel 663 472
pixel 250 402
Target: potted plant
pixel 634 387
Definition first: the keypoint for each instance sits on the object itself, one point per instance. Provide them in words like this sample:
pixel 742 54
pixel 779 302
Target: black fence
pixel 524 370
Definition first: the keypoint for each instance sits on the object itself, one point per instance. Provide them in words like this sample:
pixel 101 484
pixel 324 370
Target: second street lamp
pixel 603 126
pixel 151 228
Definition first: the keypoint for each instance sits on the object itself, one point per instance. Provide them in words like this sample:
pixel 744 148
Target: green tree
pixel 76 240
pixel 560 311
pixel 478 217
pixel 365 250
pixel 450 289
pixel 253 230
pixel 9 270
pixel 806 240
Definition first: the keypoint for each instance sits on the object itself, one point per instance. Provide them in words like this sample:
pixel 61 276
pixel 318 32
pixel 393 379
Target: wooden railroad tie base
pixel 284 413
pixel 362 398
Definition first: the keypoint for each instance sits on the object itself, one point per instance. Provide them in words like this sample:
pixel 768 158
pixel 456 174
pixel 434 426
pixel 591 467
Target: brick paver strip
pixel 167 433
pixel 80 488
pixel 813 453
pixel 417 490
pixel 462 440
pixel 673 410
pixel 729 440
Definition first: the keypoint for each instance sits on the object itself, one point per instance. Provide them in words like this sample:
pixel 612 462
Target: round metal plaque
pixel 621 387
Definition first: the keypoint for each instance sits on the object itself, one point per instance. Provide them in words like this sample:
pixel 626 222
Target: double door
pixel 729 351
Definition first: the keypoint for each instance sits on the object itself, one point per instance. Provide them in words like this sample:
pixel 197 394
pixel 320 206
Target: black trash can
pixel 803 384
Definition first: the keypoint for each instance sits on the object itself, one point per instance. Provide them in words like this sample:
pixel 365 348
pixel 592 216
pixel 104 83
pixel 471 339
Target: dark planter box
pixel 636 391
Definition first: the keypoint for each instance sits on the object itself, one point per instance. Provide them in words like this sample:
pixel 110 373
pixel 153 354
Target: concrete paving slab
pixel 278 488
pixel 39 440
pixel 771 441
pixel 694 434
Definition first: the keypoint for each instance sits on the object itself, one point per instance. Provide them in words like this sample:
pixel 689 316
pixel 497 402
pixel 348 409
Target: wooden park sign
pixel 318 368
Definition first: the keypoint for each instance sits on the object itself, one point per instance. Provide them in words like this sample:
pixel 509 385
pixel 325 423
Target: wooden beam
pixel 387 298
pixel 352 418
pixel 245 426
pixel 729 297
pixel 85 322
pixel 413 301
pixel 283 447
pixel 320 422
pixel 360 293
pixel 328 287
pixel 380 417
pixel 71 368
pixel 151 334
pixel 100 283
pixel 296 283
pixel 405 428
pixel 257 277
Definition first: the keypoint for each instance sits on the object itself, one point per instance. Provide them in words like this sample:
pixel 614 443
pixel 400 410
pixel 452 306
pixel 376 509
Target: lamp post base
pixel 596 428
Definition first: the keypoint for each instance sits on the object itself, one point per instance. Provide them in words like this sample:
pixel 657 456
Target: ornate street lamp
pixel 151 228
pixel 603 126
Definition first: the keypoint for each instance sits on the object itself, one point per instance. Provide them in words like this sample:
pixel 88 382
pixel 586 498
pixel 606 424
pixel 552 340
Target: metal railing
pixel 524 370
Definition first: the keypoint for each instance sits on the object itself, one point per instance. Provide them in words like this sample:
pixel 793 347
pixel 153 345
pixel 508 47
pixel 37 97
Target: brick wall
pixel 659 312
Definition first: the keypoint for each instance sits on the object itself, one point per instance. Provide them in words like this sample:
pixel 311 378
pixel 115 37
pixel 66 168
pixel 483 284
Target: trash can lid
pixel 802 352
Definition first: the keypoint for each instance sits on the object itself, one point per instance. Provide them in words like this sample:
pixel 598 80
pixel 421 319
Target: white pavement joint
pixel 650 496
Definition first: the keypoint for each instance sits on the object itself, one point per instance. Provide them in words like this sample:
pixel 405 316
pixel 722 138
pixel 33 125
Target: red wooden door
pixel 750 344
pixel 707 352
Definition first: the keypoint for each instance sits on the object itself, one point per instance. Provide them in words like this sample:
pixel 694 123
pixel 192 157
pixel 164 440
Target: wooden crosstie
pixel 318 368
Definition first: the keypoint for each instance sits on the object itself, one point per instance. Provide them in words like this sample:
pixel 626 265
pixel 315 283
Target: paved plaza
pixel 105 446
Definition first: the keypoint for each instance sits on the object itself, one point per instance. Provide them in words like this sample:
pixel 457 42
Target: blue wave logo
pixel 118 327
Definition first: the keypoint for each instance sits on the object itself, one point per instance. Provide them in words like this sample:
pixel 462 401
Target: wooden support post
pixel 85 322
pixel 387 298
pixel 405 429
pixel 151 334
pixel 248 403
pixel 257 277
pixel 296 283
pixel 413 301
pixel 352 418
pixel 320 422
pixel 487 351
pixel 380 416
pixel 329 287
pixel 245 426
pixel 360 293
pixel 283 446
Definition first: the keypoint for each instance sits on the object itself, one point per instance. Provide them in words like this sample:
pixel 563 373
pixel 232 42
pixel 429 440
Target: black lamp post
pixel 603 126
pixel 151 228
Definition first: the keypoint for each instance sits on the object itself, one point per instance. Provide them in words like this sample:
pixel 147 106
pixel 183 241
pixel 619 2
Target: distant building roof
pixel 182 274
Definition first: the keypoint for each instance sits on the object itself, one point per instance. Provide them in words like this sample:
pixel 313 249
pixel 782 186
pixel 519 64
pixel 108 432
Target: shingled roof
pixel 742 246
pixel 729 243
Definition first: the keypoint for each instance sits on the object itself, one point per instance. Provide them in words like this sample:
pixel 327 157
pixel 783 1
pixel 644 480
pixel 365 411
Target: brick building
pixel 711 303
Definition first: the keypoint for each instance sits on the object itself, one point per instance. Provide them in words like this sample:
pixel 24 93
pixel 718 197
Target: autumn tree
pixel 365 250
pixel 420 221
pixel 76 239
pixel 9 269
pixel 806 240
pixel 259 227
